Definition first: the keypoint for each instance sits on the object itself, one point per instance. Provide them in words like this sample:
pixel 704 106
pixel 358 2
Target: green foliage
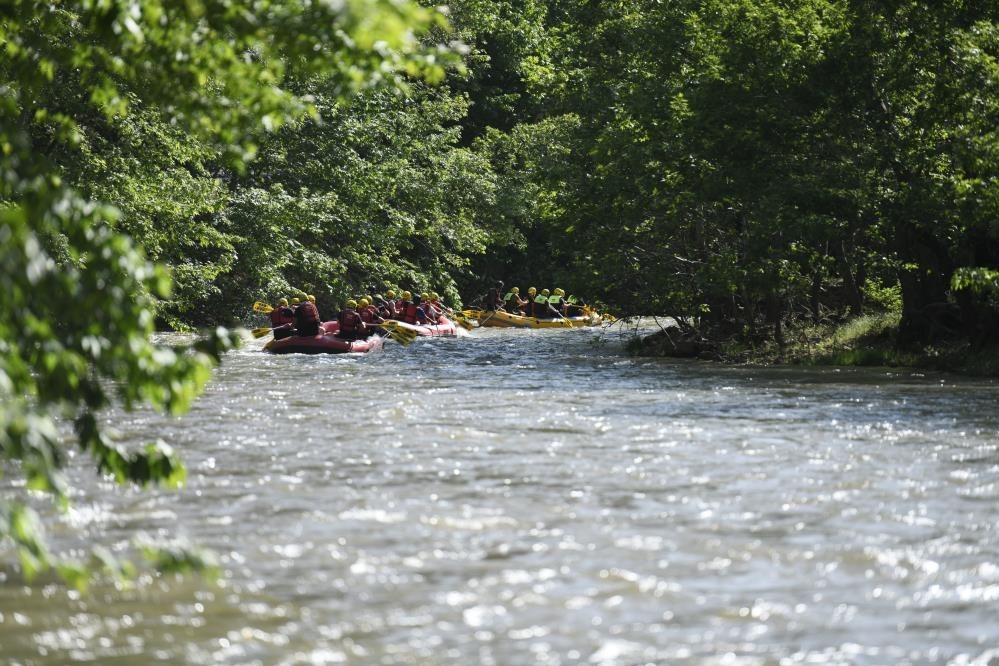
pixel 119 119
pixel 768 159
pixel 380 193
pixel 886 296
pixel 979 280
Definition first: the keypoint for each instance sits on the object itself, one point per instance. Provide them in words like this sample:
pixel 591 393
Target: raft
pixel 323 344
pixel 443 328
pixel 500 319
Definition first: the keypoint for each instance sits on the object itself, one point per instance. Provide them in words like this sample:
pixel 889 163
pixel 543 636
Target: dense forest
pixel 752 164
pixel 745 165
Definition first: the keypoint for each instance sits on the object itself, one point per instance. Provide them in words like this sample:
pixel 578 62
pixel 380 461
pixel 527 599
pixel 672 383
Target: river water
pixel 537 497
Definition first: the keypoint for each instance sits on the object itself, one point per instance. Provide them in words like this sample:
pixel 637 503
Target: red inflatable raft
pixel 443 328
pixel 324 344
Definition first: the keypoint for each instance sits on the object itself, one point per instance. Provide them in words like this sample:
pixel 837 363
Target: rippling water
pixel 536 497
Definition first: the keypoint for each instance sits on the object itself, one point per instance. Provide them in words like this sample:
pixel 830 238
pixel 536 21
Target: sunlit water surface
pixel 537 497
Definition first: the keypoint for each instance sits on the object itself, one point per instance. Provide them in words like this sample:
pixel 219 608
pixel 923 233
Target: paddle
pixel 265 308
pixel 403 336
pixel 565 322
pixel 462 320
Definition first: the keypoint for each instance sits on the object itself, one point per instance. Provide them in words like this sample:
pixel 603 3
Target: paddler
pixel 556 307
pixel 386 310
pixel 306 319
pixel 574 306
pixel 410 312
pixel 312 299
pixel 369 314
pixel 514 304
pixel 282 314
pixel 394 300
pixel 435 300
pixel 282 319
pixel 541 305
pixel 529 309
pixel 352 327
pixel 433 314
pixel 492 301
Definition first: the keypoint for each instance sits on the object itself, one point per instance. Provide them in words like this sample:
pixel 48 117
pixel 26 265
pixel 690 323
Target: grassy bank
pixel 869 340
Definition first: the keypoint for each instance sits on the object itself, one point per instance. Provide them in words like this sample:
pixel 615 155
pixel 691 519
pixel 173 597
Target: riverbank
pixel 869 340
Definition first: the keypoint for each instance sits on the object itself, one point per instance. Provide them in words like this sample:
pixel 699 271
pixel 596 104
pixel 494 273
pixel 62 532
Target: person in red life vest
pixel 352 327
pixel 393 303
pixel 282 318
pixel 376 314
pixel 312 299
pixel 282 314
pixel 386 305
pixel 435 300
pixel 369 315
pixel 410 312
pixel 383 308
pixel 433 314
pixel 306 319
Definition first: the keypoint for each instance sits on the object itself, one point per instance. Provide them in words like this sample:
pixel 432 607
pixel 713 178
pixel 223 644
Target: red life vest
pixel 410 312
pixel 306 312
pixel 368 314
pixel 281 315
pixel 350 321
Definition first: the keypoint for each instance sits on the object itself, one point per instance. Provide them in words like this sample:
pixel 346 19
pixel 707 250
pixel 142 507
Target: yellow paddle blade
pixel 472 314
pixel 401 335
pixel 260 306
pixel 464 322
pixel 260 332
pixel 404 338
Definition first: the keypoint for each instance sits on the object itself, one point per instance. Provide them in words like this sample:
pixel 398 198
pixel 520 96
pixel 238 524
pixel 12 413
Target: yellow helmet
pixel 425 296
pixel 545 292
pixel 559 292
pixel 283 302
pixel 371 299
pixel 515 290
pixel 352 303
pixel 532 291
pixel 434 296
pixel 406 296
pixel 389 294
pixel 364 302
pixel 295 301
pixel 312 298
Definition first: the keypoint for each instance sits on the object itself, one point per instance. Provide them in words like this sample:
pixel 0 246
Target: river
pixel 538 497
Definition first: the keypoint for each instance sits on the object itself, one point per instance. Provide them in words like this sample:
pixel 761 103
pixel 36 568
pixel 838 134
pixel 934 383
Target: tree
pixel 83 82
pixel 753 162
